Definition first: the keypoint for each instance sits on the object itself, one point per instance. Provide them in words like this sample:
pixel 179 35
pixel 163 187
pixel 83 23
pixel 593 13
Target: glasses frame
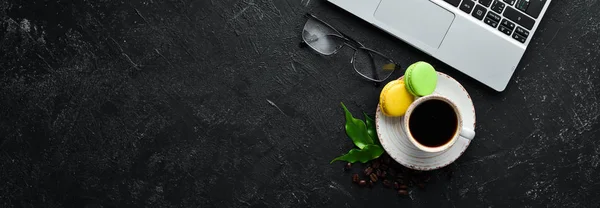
pixel 346 39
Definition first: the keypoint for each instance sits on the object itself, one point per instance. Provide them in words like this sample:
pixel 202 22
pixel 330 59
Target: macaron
pixel 395 99
pixel 420 78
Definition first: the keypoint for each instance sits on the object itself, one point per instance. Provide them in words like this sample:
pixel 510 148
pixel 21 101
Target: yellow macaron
pixel 395 98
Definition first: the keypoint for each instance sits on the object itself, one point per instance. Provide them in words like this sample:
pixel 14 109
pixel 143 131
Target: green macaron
pixel 420 79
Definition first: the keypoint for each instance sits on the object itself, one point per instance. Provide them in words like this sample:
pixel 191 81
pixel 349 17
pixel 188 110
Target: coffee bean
pixel 392 175
pixel 387 160
pixel 368 171
pixel 387 183
pixel 384 167
pixel 373 177
pixel 355 178
pixel 400 181
pixel 402 192
pixel 375 164
pixel 392 172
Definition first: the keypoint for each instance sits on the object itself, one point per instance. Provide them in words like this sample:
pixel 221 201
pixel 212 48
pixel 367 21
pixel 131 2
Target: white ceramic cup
pixel 461 130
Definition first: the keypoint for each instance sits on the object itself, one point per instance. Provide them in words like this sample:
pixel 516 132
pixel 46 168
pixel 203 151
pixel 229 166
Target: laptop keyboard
pixel 514 18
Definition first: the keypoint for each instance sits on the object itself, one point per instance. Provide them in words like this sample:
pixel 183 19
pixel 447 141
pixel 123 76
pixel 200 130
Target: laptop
pixel 484 39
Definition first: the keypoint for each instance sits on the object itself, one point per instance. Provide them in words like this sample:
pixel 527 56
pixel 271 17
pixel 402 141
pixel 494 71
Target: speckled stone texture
pixel 213 104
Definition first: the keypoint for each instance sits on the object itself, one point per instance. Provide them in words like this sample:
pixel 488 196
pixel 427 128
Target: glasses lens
pixel 372 65
pixel 321 37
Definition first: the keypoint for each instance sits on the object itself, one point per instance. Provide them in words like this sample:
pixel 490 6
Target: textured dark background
pixel 164 104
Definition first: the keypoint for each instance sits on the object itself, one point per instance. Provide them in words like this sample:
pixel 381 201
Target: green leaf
pixel 364 155
pixel 371 129
pixel 356 129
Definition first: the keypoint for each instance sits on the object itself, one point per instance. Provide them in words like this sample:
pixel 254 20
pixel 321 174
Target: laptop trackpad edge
pixel 422 20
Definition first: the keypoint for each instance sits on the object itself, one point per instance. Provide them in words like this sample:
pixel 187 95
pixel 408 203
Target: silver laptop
pixel 484 39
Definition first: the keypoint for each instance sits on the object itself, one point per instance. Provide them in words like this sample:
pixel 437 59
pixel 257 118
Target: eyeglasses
pixel 326 40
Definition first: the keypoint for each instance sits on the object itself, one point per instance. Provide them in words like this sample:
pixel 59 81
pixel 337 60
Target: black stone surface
pixel 166 104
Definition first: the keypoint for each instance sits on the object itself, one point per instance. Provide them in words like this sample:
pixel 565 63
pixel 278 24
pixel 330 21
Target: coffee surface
pixel 433 123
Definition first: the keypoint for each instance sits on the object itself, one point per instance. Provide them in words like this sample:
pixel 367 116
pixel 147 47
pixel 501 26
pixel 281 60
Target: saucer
pixel 396 144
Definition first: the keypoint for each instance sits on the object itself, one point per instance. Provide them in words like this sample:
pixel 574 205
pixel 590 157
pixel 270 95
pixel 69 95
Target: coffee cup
pixel 433 123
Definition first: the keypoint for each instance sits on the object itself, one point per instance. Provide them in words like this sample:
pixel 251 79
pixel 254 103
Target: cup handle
pixel 467 133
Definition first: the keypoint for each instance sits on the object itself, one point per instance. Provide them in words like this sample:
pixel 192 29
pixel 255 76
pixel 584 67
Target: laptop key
pixel 522 32
pixel 467 6
pixel 491 22
pixel 479 12
pixel 519 18
pixel 519 38
pixel 510 2
pixel 493 16
pixel 454 3
pixel 531 7
pixel 486 3
pixel 508 24
pixel 498 6
pixel 505 30
pixel 522 5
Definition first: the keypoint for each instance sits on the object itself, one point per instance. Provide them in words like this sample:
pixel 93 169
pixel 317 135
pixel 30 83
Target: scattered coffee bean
pixel 384 167
pixel 392 175
pixel 387 160
pixel 368 171
pixel 355 178
pixel 375 164
pixel 402 192
pixel 387 183
pixel 392 172
pixel 400 181
pixel 373 177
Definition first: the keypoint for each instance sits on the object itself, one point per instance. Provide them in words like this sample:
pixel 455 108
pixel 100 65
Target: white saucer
pixel 396 144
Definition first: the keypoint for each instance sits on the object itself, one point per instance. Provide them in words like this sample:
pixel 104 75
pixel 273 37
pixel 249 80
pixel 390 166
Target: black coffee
pixel 433 123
